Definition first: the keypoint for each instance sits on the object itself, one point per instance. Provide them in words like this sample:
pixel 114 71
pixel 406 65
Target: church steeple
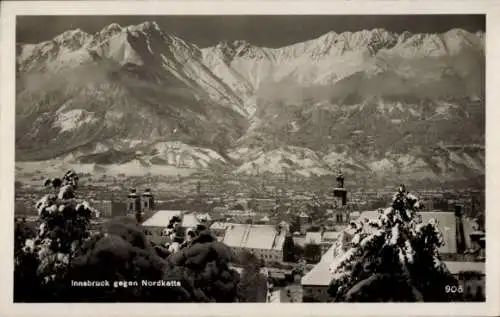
pixel 134 206
pixel 147 201
pixel 340 193
pixel 340 179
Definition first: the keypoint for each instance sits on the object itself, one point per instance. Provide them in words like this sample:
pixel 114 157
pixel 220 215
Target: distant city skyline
pixel 261 30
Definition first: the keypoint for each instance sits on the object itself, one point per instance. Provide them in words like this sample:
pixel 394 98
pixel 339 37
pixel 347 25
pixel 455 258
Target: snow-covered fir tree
pixel 391 258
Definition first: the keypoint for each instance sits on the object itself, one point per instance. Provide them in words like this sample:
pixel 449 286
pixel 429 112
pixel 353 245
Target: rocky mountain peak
pixel 110 30
pixel 73 38
pixel 155 85
pixel 145 27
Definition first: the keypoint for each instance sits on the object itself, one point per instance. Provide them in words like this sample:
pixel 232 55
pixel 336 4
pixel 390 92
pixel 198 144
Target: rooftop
pixel 253 236
pixel 220 225
pixel 320 274
pixel 330 235
pixel 354 214
pixel 190 220
pixel 161 218
pixel 265 218
pixel 313 238
pixel 457 267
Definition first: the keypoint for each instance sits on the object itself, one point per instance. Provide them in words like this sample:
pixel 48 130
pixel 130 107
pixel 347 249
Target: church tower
pixel 340 194
pixel 134 206
pixel 148 203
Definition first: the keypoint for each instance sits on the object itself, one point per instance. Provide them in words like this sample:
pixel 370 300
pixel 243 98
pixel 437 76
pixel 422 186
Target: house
pixel 109 208
pixel 160 220
pixel 220 209
pixel 354 215
pixel 316 282
pixel 264 219
pixel 313 237
pixel 265 241
pixel 331 236
pixel 140 206
pixel 219 228
pixel 190 220
pixel 324 239
pixel 263 204
pixel 328 238
pixel 304 219
pixel 471 275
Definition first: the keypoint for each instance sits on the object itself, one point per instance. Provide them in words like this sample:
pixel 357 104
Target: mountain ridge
pixel 141 83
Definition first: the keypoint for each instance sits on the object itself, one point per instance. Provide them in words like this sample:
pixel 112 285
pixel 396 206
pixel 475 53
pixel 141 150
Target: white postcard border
pixel 9 10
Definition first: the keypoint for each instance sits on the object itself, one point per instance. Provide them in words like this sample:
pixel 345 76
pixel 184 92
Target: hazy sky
pixel 262 30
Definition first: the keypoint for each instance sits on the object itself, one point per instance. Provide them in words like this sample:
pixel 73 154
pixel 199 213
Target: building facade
pixel 265 241
pixel 109 208
pixel 140 206
pixel 469 274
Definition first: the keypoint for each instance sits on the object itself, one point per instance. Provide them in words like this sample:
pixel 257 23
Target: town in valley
pixel 252 158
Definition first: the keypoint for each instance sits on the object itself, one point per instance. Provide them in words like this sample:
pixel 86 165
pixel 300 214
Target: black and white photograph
pixel 250 158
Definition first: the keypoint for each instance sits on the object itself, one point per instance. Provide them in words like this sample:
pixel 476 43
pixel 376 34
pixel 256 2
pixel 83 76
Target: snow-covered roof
pixel 354 214
pixel 190 220
pixel 313 237
pixel 320 274
pixel 204 216
pixel 161 218
pixel 219 225
pixel 253 236
pixel 456 267
pixel 331 235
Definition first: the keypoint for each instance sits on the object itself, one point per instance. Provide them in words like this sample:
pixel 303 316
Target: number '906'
pixel 453 289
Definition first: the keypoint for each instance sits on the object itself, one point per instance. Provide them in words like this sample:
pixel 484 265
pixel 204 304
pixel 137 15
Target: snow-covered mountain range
pixel 370 101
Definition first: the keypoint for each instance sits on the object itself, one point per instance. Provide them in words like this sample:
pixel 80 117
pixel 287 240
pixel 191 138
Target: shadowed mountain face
pixel 133 84
pixel 371 101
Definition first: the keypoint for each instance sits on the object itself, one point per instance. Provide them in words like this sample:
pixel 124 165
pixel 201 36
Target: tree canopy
pixel 64 250
pixel 391 258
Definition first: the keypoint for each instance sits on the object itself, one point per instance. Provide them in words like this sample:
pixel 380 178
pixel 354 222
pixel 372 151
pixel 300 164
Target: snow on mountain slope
pixel 370 101
pixel 138 82
pixel 147 154
pixel 72 119
pixel 290 159
pixel 380 135
pixel 182 155
pixel 439 58
pixel 141 45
